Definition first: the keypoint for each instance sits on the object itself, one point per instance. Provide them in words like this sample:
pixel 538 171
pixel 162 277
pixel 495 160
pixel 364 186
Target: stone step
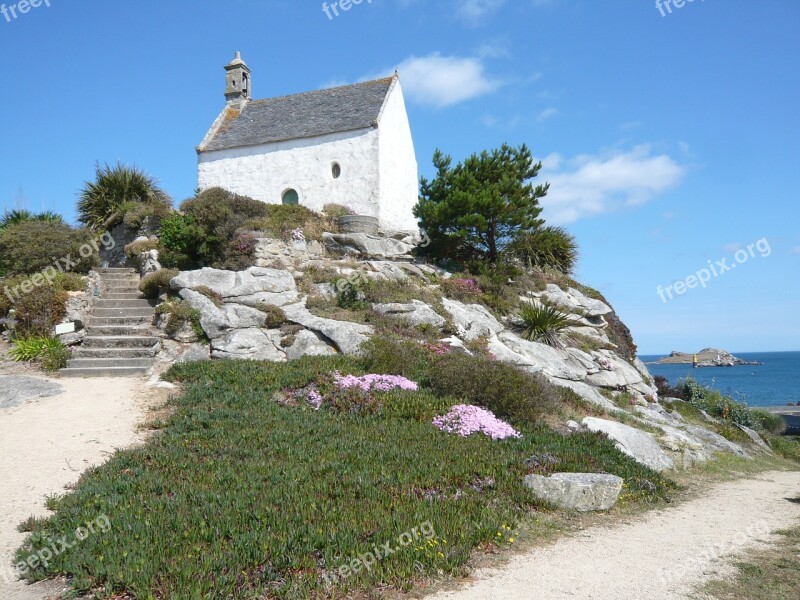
pixel 104 293
pixel 143 352
pixel 120 341
pixel 124 312
pixel 104 372
pixel 112 321
pixel 94 363
pixel 134 303
pixel 116 270
pixel 132 295
pixel 133 329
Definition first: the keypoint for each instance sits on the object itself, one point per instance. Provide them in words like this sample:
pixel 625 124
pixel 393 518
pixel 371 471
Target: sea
pixel 776 382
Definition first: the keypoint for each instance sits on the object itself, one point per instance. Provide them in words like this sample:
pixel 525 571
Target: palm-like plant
pixel 543 322
pixel 16 217
pixel 113 187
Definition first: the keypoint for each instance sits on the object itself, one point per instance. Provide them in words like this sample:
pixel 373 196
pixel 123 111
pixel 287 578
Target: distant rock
pixel 707 357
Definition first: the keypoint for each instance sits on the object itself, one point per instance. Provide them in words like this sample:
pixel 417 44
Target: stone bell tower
pixel 238 81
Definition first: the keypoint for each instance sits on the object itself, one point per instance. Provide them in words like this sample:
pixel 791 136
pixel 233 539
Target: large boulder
pixel 581 492
pixel 346 336
pixel 416 313
pixel 307 343
pixel 541 358
pixel 248 344
pixel 368 246
pixel 472 320
pixel 638 444
pixel 217 321
pixel 256 285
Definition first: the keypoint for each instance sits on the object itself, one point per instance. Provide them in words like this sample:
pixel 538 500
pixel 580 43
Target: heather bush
pixel 500 387
pixel 462 289
pixel 181 313
pixel 134 249
pixel 152 284
pixel 33 246
pixel 215 297
pixel 283 221
pixel 275 315
pixel 38 312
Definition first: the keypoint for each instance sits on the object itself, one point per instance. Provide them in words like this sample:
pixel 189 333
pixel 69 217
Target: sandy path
pixel 46 443
pixel 627 562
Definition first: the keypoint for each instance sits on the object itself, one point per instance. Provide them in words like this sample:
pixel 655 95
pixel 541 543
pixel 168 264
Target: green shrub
pixel 134 249
pixel 50 351
pixel 545 247
pixel 16 217
pixel 35 246
pixel 767 421
pixel 543 322
pixel 69 282
pixel 463 289
pixel 281 219
pixel 38 312
pixel 215 297
pixel 501 387
pixel 134 213
pixel 113 190
pixel 27 349
pixel 715 404
pixel 181 313
pixel 392 356
pixel 335 211
pixel 55 355
pixel 784 445
pixel 152 283
pixel 275 315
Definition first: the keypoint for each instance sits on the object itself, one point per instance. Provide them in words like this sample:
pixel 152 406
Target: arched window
pixel 290 196
pixel 336 170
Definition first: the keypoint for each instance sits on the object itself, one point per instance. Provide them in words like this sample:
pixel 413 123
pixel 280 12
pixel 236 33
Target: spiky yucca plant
pixel 113 187
pixel 14 217
pixel 543 322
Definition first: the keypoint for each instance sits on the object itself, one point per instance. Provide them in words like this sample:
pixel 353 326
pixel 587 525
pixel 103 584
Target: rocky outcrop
pixel 307 343
pixel 415 312
pixel 346 336
pixel 366 246
pixel 250 344
pixel 582 492
pixel 639 445
pixel 472 321
pixel 256 285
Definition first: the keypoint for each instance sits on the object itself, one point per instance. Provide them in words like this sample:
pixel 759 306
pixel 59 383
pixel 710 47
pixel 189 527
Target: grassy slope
pixel 241 495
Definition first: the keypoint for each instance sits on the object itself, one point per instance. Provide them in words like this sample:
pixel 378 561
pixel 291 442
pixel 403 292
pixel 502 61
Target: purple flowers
pixel 298 235
pixel 465 419
pixel 314 398
pixel 381 383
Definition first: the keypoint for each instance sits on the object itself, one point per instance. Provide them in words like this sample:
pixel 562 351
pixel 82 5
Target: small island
pixel 707 357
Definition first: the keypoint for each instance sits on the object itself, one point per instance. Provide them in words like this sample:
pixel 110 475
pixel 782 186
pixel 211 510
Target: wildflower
pixel 298 235
pixel 381 383
pixel 465 419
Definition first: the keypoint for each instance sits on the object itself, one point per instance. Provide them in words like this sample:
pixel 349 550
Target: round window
pixel 290 196
pixel 336 169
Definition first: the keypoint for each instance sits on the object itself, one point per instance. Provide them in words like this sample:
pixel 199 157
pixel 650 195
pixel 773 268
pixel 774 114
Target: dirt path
pixel 663 555
pixel 47 442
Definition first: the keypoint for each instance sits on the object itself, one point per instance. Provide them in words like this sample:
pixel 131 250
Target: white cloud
pixel 590 185
pixel 474 11
pixel 441 81
pixel 547 113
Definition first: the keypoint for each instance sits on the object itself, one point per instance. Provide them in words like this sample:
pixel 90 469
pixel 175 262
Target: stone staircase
pixel 119 340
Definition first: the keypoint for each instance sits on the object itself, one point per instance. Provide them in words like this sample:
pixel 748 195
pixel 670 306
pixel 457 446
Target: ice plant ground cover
pixel 241 495
pixel 464 420
pixel 370 382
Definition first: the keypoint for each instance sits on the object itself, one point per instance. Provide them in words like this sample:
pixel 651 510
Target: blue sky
pixel 670 141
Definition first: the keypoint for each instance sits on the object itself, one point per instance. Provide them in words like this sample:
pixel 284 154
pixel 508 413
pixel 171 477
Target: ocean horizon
pixel 773 383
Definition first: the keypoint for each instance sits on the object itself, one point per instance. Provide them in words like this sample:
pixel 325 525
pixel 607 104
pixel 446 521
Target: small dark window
pixel 336 169
pixel 290 196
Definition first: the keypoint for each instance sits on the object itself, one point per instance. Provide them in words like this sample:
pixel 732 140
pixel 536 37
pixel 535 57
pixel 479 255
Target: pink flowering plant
pixel 463 289
pixel 466 419
pixel 351 393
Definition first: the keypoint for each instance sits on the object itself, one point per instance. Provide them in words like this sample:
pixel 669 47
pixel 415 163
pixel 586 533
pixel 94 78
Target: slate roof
pixel 311 114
